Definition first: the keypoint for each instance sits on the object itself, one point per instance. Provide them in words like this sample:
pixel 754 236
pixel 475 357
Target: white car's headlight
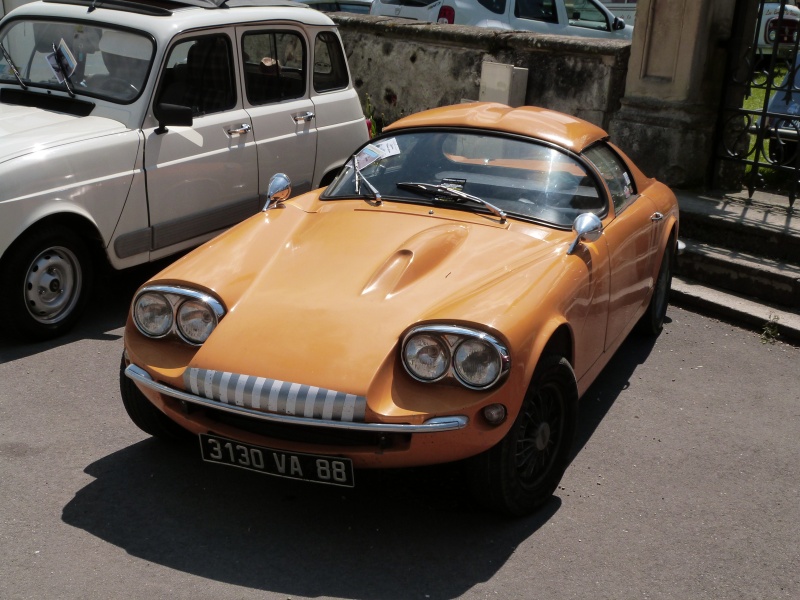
pixel 473 358
pixel 426 357
pixel 159 310
pixel 153 315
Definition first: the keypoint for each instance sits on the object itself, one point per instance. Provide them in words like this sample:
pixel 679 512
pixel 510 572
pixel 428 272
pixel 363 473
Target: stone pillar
pixel 675 75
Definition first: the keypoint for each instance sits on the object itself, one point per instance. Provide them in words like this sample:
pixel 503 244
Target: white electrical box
pixel 503 83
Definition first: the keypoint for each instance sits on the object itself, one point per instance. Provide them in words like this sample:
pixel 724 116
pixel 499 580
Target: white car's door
pixel 277 98
pixel 419 10
pixel 583 18
pixel 202 178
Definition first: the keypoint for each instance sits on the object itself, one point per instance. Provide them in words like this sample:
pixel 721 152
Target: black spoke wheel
pixel 520 473
pixel 652 321
pixel 45 281
pixel 146 416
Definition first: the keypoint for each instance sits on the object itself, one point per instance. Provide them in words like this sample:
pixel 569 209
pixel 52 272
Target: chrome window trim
pixel 437 424
pixel 443 331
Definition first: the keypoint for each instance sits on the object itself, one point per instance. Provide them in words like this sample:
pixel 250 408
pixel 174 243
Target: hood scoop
pixel 417 257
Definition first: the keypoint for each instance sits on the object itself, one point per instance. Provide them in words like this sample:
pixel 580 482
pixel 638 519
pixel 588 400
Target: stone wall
pixel 405 66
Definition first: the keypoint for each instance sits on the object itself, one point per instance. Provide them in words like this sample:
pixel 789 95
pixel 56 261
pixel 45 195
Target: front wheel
pixel 44 283
pixel 521 473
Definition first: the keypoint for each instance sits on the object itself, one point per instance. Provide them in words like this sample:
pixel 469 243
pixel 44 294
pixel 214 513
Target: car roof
pixel 165 18
pixel 540 123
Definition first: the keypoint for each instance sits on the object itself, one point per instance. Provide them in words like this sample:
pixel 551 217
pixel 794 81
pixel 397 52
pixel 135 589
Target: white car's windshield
pixel 487 173
pixel 91 60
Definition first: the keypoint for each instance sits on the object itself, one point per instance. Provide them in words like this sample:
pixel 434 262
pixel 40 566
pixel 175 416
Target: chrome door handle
pixel 242 129
pixel 656 217
pixel 303 117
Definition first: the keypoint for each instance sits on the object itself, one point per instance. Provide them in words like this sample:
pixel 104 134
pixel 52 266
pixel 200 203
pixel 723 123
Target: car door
pixel 275 77
pixel 419 10
pixel 202 178
pixel 631 236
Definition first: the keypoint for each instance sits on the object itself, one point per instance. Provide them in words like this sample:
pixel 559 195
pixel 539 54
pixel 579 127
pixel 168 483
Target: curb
pixel 735 309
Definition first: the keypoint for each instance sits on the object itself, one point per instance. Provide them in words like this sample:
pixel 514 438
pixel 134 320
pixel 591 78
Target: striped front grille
pixel 275 396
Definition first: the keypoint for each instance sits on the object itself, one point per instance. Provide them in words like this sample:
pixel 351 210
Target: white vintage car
pixel 132 131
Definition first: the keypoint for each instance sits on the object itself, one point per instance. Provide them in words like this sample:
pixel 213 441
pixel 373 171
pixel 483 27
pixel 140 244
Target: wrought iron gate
pixel 760 128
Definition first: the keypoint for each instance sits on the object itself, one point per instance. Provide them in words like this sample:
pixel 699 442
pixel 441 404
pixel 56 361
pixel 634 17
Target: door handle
pixel 656 217
pixel 302 117
pixel 241 130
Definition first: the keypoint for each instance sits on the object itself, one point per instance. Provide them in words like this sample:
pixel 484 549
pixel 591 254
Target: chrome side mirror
pixel 587 228
pixel 278 191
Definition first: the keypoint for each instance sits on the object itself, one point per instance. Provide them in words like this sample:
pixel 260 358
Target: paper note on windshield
pixel 66 66
pixel 368 155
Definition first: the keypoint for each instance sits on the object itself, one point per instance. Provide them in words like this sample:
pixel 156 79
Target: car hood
pixel 24 129
pixel 323 297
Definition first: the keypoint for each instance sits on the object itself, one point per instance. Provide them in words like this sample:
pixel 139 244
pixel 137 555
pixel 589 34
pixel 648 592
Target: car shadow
pixel 397 534
pixel 612 381
pixel 106 311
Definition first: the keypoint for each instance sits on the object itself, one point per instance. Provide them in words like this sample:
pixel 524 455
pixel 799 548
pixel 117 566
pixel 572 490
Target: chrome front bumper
pixel 437 424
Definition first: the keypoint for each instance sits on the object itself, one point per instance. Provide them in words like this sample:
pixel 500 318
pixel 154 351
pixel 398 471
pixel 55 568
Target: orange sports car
pixel 449 297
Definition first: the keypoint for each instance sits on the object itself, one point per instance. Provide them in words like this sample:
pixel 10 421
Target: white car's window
pixel 330 66
pixel 274 66
pixel 524 178
pixel 614 173
pixel 496 6
pixel 92 60
pixel 199 74
pixel 536 10
pixel 585 13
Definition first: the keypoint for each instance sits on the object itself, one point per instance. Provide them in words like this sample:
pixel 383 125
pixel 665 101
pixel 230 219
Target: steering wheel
pixel 113 85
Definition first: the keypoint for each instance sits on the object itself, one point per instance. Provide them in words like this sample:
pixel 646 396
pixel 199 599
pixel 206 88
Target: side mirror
pixel 172 114
pixel 587 228
pixel 278 191
pixel 618 24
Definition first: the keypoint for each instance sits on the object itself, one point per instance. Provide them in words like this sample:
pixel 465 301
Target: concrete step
pixel 765 279
pixel 775 323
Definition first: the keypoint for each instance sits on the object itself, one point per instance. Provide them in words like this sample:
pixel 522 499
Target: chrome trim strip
pixel 450 423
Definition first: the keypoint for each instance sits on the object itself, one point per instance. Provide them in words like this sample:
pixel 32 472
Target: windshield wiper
pixel 13 67
pixel 438 191
pixel 359 178
pixel 62 64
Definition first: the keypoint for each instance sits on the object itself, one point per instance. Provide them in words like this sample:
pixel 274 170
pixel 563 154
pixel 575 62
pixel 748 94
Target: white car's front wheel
pixel 44 283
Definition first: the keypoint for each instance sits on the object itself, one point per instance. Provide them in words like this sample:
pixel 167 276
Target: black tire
pixel 45 282
pixel 652 321
pixel 520 474
pixel 146 416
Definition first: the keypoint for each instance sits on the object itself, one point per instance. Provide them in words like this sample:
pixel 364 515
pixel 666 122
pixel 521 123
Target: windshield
pixel 522 178
pixel 92 60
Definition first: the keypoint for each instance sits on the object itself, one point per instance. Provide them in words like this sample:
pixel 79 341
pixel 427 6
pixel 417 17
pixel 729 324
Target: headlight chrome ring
pixel 159 310
pixel 475 359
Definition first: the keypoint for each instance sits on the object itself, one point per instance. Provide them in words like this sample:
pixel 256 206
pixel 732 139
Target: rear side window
pixel 615 173
pixel 496 6
pixel 414 3
pixel 330 66
pixel 536 10
pixel 274 66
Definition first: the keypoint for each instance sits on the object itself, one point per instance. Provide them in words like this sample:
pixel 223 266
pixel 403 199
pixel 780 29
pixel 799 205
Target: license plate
pixel 293 465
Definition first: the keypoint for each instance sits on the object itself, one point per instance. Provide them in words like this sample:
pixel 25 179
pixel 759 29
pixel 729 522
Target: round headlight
pixel 477 363
pixel 153 314
pixel 426 357
pixel 196 321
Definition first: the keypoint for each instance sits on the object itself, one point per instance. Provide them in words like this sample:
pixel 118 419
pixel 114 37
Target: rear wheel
pixel 146 416
pixel 652 321
pixel 45 282
pixel 521 473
